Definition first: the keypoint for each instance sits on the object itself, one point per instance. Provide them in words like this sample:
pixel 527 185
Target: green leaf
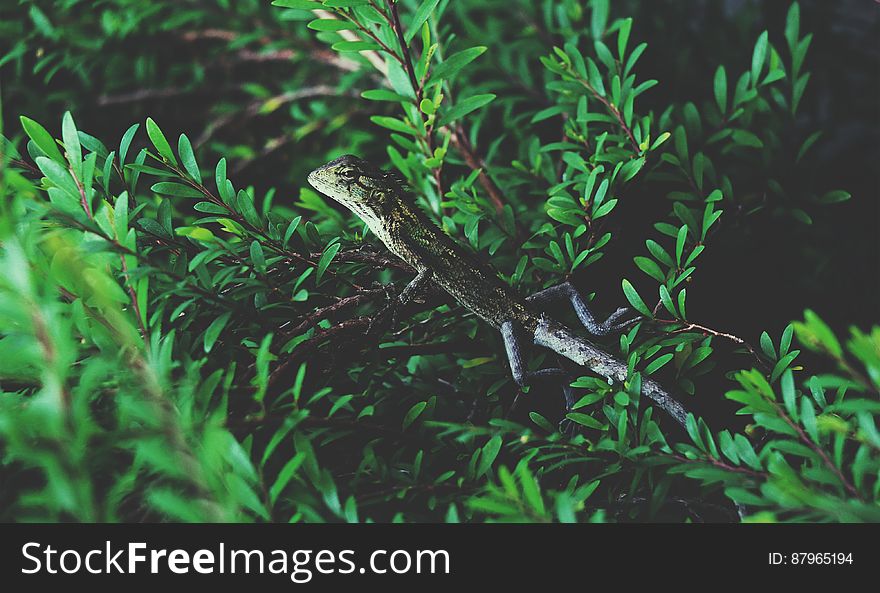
pixel 798 91
pixel 159 141
pixel 355 46
pixel 815 333
pixel 447 69
pixel 584 420
pixel 634 299
pixel 413 413
pixel 169 188
pixel 746 138
pixel 759 55
pixel 811 139
pixel 331 25
pixel 658 362
pixel 220 179
pixel 58 175
pixel 658 252
pixel 694 431
pixel 835 196
pixel 599 18
pixel 384 95
pixel 792 25
pixel 288 471
pixel 464 107
pixel 788 393
pixel 808 418
pixel 604 54
pixel 213 331
pixel 244 203
pixel 601 192
pixel 301 4
pixel 666 299
pixel 257 257
pixel 542 422
pixel 184 149
pixel 42 139
pixel 427 106
pixel 650 267
pixel 325 260
pixel 125 143
pixel 623 37
pixel 767 346
pixel 152 227
pixel 290 229
pixel 42 22
pixel 345 3
pixel 393 124
pixel 421 15
pixel 71 144
pixel 679 243
pixel 531 490
pixel 210 208
pixel 720 87
pixel 605 208
pixel 488 454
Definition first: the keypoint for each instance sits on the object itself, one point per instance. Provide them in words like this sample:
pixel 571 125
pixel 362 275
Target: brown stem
pixel 817 449
pixel 404 49
pixel 369 257
pixel 317 315
pixel 460 139
pixel 350 327
pixel 721 465
pixel 614 111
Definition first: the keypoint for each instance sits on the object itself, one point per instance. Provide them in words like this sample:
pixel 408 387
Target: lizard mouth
pixel 316 181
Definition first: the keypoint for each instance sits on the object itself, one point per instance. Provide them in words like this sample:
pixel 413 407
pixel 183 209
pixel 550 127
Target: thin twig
pixel 461 141
pixel 816 448
pixel 372 56
pixel 709 331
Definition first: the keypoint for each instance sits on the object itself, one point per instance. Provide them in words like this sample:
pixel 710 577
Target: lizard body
pixel 380 200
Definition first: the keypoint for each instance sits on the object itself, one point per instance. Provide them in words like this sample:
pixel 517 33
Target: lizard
pixel 382 202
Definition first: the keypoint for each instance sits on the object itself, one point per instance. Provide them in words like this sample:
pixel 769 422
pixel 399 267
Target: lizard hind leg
pixel 567 291
pixel 513 344
pixel 523 377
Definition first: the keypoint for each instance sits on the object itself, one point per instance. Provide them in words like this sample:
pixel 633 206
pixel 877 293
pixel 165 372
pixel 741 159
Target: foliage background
pixel 188 423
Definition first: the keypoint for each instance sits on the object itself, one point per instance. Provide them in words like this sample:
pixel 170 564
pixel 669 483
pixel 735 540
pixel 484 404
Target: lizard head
pixel 356 184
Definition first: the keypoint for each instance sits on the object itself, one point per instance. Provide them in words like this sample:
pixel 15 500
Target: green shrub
pixel 177 348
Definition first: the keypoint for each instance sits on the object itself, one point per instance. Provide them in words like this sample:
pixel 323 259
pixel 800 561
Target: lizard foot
pixel 609 326
pixel 386 317
pixel 568 427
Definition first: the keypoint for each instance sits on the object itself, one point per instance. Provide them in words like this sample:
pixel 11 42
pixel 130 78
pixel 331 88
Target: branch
pixel 317 315
pixel 354 330
pixel 404 49
pixel 817 449
pixel 461 142
pixel 614 111
pixel 555 336
pixel 256 107
pixel 372 56
pixel 709 331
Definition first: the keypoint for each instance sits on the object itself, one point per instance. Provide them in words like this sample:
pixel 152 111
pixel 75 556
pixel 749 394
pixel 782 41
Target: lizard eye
pixel 348 173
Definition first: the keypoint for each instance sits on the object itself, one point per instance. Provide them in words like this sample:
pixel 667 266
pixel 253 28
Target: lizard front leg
pixel 567 291
pixel 410 293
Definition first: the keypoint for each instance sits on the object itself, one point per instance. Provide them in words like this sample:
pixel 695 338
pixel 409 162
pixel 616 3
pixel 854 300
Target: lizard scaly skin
pixel 380 200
